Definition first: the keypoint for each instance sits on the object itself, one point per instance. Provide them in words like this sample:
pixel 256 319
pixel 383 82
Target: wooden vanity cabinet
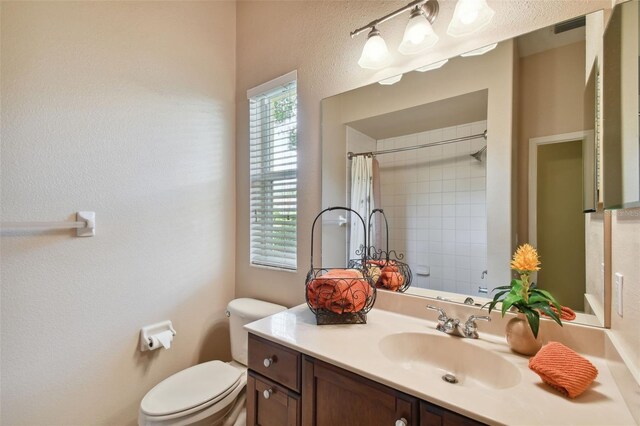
pixel 332 396
pixel 286 388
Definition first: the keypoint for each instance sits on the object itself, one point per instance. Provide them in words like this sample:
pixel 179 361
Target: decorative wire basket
pixel 338 295
pixel 385 267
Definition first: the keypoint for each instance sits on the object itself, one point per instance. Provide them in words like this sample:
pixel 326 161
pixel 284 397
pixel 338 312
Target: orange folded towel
pixel 566 315
pixel 391 280
pixel 563 369
pixel 339 290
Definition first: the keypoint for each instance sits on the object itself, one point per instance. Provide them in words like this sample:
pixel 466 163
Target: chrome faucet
pixel 470 329
pixel 445 324
pixel 452 325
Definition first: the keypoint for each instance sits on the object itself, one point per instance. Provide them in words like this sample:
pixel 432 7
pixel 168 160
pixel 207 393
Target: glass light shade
pixel 375 54
pixel 481 51
pixel 433 66
pixel 469 16
pixel 391 80
pixel 418 36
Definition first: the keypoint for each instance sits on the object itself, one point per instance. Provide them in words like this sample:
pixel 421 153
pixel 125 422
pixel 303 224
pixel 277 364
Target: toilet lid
pixel 190 388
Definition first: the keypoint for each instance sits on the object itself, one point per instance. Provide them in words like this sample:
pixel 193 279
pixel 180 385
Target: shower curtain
pixel 362 200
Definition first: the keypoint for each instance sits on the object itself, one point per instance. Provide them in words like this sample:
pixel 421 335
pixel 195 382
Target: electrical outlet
pixel 618 291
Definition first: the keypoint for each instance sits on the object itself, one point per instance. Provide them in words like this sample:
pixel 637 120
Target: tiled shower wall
pixel 434 199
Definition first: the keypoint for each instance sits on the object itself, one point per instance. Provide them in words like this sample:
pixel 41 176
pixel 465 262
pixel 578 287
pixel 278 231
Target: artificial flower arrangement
pixel 523 295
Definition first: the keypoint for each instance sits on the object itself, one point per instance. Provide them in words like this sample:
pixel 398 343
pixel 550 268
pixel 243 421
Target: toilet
pixel 211 393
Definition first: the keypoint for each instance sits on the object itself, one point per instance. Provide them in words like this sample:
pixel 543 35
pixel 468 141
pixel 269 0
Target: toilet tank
pixel 241 312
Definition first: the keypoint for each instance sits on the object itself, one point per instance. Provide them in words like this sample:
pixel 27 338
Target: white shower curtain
pixel 362 200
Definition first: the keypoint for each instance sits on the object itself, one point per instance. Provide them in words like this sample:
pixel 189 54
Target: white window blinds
pixel 273 173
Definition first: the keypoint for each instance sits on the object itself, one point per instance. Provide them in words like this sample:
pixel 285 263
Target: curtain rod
pixel 350 154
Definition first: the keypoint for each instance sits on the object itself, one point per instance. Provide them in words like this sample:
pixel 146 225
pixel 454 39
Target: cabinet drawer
pixel 269 404
pixel 275 362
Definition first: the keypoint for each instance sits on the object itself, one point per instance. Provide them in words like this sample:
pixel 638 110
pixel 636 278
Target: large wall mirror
pixel 459 200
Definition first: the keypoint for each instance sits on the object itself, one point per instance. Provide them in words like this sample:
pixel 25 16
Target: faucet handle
pixel 471 328
pixel 441 311
pixel 473 318
pixel 442 317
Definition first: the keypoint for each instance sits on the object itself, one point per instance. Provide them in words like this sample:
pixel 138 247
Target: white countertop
pixel 356 348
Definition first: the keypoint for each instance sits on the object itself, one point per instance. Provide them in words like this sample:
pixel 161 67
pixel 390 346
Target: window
pixel 274 173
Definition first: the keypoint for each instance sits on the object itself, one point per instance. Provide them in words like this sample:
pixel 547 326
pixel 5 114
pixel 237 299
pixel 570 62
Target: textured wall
pixel 625 248
pixel 126 109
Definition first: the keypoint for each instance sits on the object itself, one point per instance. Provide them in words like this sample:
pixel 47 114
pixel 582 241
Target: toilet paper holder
pixel 156 336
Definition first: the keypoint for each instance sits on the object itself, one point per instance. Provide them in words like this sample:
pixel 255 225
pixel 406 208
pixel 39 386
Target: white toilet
pixel 211 393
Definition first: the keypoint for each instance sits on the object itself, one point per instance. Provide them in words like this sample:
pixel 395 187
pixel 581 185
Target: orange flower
pixel 525 259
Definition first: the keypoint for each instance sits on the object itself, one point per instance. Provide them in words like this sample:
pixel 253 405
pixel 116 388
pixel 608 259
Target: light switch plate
pixel 619 280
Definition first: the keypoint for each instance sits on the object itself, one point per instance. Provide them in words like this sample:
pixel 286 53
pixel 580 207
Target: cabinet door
pixel 269 404
pixel 332 396
pixel 432 415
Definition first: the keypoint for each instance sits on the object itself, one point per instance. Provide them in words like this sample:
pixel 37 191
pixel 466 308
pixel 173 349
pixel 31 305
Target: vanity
pixel 390 371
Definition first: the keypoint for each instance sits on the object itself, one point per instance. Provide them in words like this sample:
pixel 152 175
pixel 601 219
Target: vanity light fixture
pixel 391 80
pixel 469 16
pixel 375 54
pixel 480 51
pixel 433 66
pixel 418 35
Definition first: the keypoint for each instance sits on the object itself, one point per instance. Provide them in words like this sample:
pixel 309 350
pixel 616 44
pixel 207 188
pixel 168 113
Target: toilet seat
pixel 192 390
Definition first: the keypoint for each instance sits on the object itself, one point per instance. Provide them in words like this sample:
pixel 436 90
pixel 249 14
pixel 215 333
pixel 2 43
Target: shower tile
pixel 463 210
pixel 449 223
pixel 449 261
pixel 478 237
pixel 448 234
pixel 448 172
pixel 463 262
pixel 462 223
pixel 463 237
pixel 435 210
pixel 449 210
pixel 463 184
pixel 463 197
pixel 448 185
pixel 478 197
pixel 478 210
pixel 477 224
pixel 449 285
pixel 477 184
pixel 463 249
pixel 463 287
pixel 435 186
pixel 463 172
pixel 436 198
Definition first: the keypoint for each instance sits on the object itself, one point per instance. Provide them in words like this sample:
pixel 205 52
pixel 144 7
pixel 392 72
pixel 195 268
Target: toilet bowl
pixel 211 393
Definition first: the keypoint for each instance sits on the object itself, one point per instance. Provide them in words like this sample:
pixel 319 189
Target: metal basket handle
pixel 364 227
pixel 386 224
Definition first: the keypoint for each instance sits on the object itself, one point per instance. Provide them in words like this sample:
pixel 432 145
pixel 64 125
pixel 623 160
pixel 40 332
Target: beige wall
pixel 547 106
pixel 127 109
pixel 625 248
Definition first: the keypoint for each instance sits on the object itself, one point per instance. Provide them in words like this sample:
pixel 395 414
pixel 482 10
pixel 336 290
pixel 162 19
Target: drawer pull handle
pixel 268 362
pixel 402 422
pixel 267 393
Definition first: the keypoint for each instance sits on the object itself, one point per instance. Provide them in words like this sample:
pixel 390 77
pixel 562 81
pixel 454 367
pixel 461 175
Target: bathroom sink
pixel 435 356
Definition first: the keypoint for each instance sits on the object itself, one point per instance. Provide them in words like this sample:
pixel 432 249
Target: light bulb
pixel 375 54
pixel 418 35
pixel 469 16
